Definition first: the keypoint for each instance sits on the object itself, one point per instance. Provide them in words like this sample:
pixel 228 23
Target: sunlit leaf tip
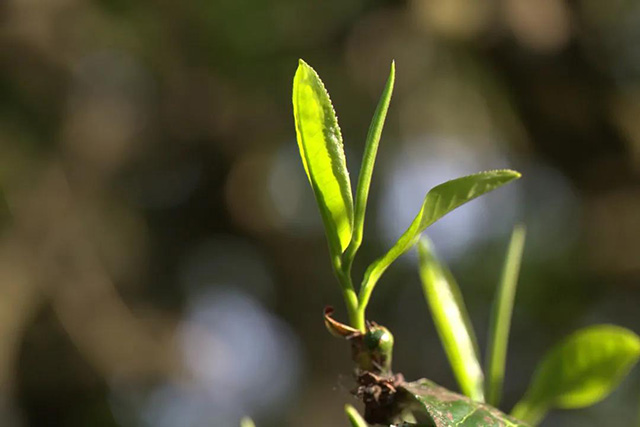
pixel 439 201
pixel 247 422
pixel 322 153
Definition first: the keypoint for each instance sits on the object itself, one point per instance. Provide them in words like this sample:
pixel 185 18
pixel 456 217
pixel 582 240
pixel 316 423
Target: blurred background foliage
pixel 162 261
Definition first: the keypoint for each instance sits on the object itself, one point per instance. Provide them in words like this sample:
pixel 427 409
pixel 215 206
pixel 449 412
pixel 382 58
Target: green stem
pixel 348 293
pixel 351 299
pixel 368 283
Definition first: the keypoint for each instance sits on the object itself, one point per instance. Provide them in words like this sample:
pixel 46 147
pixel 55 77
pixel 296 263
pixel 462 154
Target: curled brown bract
pixel 336 328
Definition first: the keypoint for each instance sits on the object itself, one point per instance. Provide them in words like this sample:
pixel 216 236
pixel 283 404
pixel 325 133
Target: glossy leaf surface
pixel 436 406
pixel 452 321
pixel 439 201
pixel 580 371
pixel 322 153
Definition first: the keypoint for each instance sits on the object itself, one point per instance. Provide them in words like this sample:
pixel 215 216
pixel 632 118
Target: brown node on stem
pixel 371 351
pixel 379 394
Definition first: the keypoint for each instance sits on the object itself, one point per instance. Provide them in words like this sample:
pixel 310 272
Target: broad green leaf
pixel 354 416
pixel 439 201
pixel 580 371
pixel 436 406
pixel 501 316
pixel 368 162
pixel 247 422
pixel 322 153
pixel 452 322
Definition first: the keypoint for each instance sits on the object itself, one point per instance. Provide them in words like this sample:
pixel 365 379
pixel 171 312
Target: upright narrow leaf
pixel 580 371
pixel 368 162
pixel 322 153
pixel 247 422
pixel 436 406
pixel 501 316
pixel 439 201
pixel 355 419
pixel 452 322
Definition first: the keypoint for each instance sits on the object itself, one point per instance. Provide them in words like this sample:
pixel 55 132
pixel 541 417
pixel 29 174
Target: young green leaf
pixel 436 406
pixel 354 416
pixel 247 422
pixel 322 153
pixel 580 371
pixel 501 316
pixel 439 201
pixel 368 162
pixel 452 322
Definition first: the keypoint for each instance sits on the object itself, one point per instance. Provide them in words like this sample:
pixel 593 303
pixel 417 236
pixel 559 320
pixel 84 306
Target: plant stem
pixel 368 283
pixel 343 274
pixel 351 299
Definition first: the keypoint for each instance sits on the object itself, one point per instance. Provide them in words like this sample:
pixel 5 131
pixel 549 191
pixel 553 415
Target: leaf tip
pixel 392 73
pixel 516 174
pixel 424 244
pixel 507 173
pixel 247 422
pixel 303 68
